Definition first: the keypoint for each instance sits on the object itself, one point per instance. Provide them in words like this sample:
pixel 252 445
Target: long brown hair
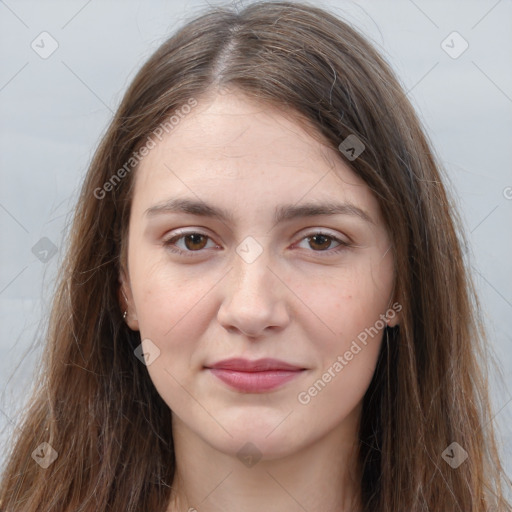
pixel 95 403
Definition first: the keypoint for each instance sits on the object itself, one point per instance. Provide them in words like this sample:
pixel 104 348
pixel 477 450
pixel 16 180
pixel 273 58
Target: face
pixel 270 278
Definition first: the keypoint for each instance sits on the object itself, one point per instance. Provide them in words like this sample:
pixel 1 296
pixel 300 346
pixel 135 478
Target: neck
pixel 322 476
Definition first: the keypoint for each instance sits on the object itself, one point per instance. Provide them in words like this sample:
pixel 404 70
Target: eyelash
pixel 169 244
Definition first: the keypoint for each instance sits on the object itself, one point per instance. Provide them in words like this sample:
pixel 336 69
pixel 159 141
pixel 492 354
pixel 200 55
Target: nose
pixel 254 299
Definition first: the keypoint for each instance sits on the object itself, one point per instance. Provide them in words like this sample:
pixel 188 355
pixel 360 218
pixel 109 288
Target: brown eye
pixel 319 242
pixel 322 242
pixel 187 243
pixel 195 241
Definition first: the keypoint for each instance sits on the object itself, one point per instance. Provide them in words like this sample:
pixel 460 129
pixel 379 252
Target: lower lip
pixel 255 382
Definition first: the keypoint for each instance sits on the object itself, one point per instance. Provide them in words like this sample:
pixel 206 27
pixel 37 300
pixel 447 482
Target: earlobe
pixel 126 304
pixel 393 314
pixel 393 322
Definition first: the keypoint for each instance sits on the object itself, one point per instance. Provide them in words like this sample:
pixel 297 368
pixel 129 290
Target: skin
pixel 298 301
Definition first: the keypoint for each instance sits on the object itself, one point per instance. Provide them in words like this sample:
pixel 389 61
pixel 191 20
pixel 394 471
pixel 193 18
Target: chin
pixel 265 436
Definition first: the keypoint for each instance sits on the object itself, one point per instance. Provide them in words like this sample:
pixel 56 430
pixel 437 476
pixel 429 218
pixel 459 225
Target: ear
pixel 393 314
pixel 125 298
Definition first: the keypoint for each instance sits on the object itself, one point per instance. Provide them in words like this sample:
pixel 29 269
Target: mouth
pixel 254 376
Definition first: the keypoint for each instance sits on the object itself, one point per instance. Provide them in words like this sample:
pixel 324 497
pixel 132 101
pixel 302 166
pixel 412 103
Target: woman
pixel 264 304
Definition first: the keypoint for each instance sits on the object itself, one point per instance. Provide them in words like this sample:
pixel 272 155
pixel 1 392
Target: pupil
pixel 194 240
pixel 326 239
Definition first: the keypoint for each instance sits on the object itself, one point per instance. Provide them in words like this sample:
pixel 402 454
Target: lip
pixel 258 365
pixel 254 376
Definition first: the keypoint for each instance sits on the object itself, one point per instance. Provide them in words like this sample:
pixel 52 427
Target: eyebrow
pixel 282 213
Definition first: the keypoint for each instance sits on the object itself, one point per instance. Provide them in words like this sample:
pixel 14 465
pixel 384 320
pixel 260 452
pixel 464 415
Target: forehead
pixel 237 151
pixel 234 126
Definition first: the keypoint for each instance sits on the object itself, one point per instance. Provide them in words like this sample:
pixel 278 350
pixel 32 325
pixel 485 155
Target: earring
pixel 126 300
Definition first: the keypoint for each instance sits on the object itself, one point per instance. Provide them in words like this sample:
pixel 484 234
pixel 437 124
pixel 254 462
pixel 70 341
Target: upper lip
pixel 258 365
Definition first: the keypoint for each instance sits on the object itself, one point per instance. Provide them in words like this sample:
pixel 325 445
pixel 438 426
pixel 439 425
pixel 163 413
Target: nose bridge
pixel 252 299
pixel 251 274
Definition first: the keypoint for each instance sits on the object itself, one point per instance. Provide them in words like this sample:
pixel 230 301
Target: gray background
pixel 54 110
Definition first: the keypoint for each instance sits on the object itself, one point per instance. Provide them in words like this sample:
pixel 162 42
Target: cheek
pixel 174 314
pixel 163 294
pixel 347 351
pixel 166 305
pixel 345 303
pixel 351 307
pixel 334 393
pixel 347 326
